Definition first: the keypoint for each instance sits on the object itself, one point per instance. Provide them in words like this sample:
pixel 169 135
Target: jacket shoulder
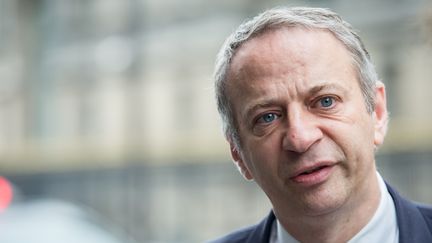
pixel 426 211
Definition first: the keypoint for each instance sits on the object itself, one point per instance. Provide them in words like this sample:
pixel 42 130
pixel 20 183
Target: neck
pixel 339 225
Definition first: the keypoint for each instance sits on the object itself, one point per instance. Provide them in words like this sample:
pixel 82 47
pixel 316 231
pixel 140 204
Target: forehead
pixel 297 44
pixel 288 50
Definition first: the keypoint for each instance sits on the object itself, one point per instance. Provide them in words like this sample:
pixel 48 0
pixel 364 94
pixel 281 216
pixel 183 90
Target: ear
pixel 380 114
pixel 238 161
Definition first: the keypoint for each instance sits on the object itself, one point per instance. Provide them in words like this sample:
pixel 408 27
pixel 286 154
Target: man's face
pixel 306 136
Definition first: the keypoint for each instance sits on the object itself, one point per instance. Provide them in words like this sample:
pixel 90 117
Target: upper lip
pixel 314 166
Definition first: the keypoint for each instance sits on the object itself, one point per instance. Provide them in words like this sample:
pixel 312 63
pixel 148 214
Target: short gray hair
pixel 311 18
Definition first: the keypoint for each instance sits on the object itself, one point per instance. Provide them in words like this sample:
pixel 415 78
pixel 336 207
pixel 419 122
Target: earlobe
pixel 238 160
pixel 380 114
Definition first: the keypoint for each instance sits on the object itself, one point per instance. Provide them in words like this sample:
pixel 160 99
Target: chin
pixel 321 209
pixel 322 202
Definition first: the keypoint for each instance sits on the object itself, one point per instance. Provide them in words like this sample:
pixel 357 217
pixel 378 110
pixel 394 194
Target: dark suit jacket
pixel 414 221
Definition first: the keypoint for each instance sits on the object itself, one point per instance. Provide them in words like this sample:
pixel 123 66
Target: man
pixel 304 112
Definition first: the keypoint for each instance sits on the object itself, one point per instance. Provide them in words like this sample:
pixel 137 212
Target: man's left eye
pixel 326 102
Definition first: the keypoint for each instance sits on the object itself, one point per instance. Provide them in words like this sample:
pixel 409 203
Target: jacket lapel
pixel 262 231
pixel 411 222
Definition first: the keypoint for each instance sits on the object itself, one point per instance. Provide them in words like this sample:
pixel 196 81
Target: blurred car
pixel 48 221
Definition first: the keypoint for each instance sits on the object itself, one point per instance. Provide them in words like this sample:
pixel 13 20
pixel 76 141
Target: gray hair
pixel 312 18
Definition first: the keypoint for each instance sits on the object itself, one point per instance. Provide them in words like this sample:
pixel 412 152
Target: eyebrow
pixel 264 103
pixel 326 86
pixel 268 102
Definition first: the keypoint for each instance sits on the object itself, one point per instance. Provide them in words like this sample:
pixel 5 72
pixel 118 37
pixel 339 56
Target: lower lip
pixel 314 178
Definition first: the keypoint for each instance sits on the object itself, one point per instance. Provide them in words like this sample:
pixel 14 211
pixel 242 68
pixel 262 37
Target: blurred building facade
pixel 110 103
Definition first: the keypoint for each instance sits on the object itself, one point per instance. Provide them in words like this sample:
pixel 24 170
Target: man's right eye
pixel 267 118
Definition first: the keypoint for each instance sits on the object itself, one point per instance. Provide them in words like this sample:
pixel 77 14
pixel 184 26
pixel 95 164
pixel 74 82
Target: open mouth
pixel 313 170
pixel 313 176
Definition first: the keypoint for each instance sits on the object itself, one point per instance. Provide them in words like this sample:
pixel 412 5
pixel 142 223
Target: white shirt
pixel 381 228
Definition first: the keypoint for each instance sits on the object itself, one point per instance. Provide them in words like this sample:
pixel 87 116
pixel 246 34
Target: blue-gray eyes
pixel 267 118
pixel 326 102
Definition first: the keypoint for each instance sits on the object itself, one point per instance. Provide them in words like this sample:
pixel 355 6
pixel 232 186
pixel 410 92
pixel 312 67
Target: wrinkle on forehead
pixel 249 60
pixel 286 52
pixel 281 42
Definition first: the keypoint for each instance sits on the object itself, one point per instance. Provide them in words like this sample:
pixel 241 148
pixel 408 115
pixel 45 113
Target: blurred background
pixel 108 126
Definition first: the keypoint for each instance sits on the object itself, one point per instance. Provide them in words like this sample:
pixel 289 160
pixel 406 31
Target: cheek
pixel 359 149
pixel 354 136
pixel 263 156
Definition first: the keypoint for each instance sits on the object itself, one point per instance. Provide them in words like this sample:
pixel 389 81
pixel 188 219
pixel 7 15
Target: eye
pixel 267 118
pixel 326 102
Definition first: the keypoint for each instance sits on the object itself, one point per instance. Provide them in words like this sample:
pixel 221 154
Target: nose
pixel 302 131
